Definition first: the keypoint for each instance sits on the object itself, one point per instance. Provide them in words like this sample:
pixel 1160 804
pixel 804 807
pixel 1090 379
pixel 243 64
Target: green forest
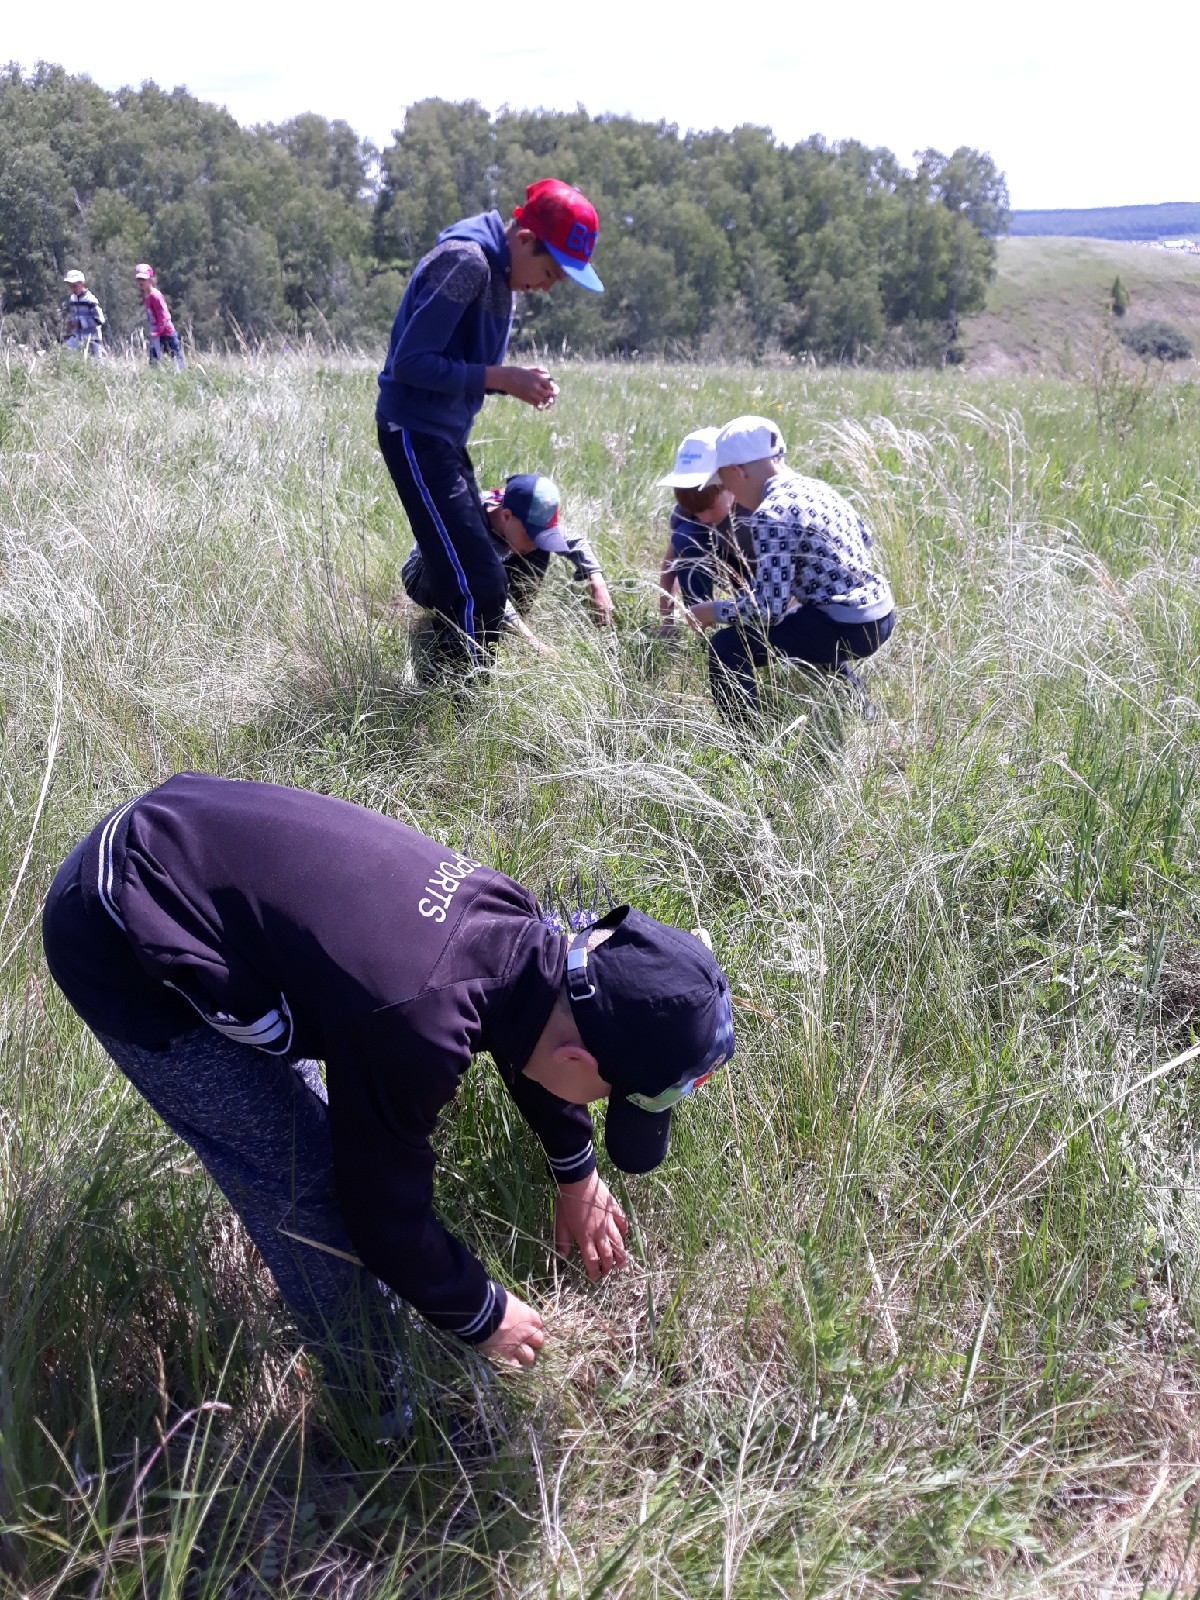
pixel 1175 218
pixel 713 244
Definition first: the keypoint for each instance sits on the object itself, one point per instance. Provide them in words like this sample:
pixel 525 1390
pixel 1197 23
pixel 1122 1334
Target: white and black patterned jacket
pixel 84 316
pixel 810 548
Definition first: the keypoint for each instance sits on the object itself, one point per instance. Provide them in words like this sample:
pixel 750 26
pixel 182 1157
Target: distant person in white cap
pixel 817 596
pixel 160 330
pixel 85 320
pixel 703 551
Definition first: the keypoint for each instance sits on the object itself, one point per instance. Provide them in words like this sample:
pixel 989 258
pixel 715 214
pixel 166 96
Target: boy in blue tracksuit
pixel 446 352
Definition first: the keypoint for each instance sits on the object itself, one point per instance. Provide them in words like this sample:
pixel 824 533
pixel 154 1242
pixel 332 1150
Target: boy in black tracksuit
pixel 446 352
pixel 219 937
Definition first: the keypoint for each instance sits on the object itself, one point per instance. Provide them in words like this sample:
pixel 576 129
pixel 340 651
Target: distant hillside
pixel 1046 309
pixel 1179 218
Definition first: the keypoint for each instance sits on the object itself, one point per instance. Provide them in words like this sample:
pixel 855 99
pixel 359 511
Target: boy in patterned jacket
pixel 816 598
pixel 85 320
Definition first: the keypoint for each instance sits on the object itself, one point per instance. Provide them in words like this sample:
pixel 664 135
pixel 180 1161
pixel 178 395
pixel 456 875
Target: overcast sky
pixel 1076 107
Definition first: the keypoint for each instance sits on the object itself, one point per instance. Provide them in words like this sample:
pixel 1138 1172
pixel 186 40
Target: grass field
pixel 1046 308
pixel 914 1302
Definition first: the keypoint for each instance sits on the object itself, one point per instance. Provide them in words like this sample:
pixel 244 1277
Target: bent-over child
pixel 523 521
pixel 220 937
pixel 817 595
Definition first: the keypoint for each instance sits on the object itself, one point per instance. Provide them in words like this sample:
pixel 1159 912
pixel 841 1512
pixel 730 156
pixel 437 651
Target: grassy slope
pixel 915 1300
pixel 1045 310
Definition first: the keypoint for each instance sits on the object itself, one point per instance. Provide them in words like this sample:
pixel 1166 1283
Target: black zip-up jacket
pixel 312 928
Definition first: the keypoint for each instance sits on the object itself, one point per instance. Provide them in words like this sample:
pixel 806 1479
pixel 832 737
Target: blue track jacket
pixel 453 322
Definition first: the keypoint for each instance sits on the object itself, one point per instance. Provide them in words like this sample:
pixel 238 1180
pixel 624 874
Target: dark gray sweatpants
pixel 260 1126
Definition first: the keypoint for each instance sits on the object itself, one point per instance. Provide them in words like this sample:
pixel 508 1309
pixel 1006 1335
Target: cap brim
pixel 636 1140
pixel 582 272
pixel 688 480
pixel 554 539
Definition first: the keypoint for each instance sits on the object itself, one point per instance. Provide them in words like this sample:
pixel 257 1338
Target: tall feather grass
pixel 913 1302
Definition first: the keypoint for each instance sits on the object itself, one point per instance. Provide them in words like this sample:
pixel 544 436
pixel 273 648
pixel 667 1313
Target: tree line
pixel 722 244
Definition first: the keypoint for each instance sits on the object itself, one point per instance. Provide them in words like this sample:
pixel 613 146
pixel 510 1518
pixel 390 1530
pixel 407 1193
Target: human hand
pixel 533 385
pixel 541 648
pixel 519 1337
pixel 701 616
pixel 545 405
pixel 602 602
pixel 588 1214
pixel 520 629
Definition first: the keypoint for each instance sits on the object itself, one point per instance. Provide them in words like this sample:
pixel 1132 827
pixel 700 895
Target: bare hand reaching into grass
pixel 588 1214
pixel 601 602
pixel 519 1337
pixel 520 628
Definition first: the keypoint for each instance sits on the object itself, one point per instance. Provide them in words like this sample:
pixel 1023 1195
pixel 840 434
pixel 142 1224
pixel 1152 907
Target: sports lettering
pixel 442 886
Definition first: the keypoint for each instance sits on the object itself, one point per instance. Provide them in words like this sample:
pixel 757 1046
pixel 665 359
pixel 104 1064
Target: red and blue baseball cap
pixel 566 223
pixel 653 1007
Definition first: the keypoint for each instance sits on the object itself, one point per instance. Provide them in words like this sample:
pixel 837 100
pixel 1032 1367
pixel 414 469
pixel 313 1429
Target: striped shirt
pixel 84 316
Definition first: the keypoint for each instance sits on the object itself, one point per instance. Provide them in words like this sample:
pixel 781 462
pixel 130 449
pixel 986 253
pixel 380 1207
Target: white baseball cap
pixel 143 270
pixel 74 276
pixel 748 439
pixel 695 462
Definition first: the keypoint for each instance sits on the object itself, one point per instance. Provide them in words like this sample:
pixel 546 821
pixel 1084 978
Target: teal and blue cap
pixel 653 1007
pixel 534 501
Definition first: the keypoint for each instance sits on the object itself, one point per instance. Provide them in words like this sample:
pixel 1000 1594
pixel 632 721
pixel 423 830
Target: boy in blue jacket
pixel 446 352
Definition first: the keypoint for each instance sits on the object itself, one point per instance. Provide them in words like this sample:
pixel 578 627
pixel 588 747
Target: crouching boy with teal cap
pixel 523 520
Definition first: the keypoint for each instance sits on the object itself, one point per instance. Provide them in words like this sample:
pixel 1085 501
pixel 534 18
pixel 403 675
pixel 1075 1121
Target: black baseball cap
pixel 652 1005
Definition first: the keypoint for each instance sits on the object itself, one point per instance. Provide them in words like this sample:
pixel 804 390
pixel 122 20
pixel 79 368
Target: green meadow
pixel 913 1303
pixel 1047 305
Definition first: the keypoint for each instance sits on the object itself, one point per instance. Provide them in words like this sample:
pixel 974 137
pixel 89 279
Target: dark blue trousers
pixel 805 635
pixel 260 1127
pixel 467 586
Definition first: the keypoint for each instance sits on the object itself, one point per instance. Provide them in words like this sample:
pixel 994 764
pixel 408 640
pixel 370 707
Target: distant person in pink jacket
pixel 160 330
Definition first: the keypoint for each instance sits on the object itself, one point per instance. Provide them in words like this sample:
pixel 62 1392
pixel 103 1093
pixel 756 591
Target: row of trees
pixel 714 243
